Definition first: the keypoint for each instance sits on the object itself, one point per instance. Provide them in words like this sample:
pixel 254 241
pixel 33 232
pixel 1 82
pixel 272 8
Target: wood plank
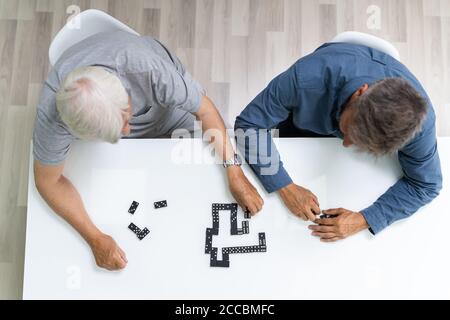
pixel 239 17
pixel 310 26
pixel 45 5
pixel 186 23
pixel 26 9
pixel 273 15
pixel 169 29
pixel 151 22
pixel 131 15
pixel 293 30
pixel 345 15
pixel 100 5
pixel 9 184
pixel 42 37
pixel 152 4
pixel 10 288
pixel 203 24
pixel 9 9
pixel 7 44
pixel 23 56
pixel 221 41
pixel 328 27
pixel 239 96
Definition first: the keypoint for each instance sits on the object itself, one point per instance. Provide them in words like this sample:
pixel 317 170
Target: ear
pixel 362 89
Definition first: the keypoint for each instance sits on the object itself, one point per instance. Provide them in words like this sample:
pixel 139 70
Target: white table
pixel 408 260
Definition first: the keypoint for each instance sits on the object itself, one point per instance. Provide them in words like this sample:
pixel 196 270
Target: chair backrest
pixel 89 22
pixel 369 41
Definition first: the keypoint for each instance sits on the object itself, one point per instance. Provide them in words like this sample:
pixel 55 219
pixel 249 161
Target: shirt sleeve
pixel 51 141
pixel 421 183
pixel 252 130
pixel 172 88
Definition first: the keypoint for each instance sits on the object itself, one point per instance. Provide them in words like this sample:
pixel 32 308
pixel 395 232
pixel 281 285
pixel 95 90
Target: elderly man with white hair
pixel 114 85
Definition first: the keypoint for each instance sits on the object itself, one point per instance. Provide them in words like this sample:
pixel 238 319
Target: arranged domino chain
pixel 214 231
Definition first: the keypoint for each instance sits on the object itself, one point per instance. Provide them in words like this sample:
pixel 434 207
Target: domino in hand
pixel 327 216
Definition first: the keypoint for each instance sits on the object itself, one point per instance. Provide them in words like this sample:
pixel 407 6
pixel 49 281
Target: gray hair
pixel 92 103
pixel 387 116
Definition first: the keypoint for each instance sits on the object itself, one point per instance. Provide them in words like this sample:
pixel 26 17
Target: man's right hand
pixel 107 253
pixel 300 201
pixel 65 200
pixel 243 191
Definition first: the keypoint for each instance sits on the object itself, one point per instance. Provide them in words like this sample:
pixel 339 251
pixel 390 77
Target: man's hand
pixel 65 200
pixel 345 224
pixel 214 128
pixel 243 191
pixel 302 202
pixel 107 253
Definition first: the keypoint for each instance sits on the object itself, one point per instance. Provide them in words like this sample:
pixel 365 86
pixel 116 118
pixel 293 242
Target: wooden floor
pixel 233 47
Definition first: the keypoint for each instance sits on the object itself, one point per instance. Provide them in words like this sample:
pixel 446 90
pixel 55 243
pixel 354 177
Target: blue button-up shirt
pixel 315 90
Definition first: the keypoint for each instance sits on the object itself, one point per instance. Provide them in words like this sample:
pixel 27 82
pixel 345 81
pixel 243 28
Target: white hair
pixel 92 102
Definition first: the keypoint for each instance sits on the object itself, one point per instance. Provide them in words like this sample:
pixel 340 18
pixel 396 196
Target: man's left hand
pixel 345 224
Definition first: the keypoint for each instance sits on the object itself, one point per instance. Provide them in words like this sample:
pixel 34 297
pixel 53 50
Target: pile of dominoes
pixel 142 233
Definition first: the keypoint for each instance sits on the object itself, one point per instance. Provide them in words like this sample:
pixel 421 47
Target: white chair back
pixel 88 23
pixel 369 41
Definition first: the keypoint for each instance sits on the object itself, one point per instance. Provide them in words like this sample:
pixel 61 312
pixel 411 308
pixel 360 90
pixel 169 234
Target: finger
pixel 316 200
pixel 258 206
pixel 123 255
pixel 321 228
pixel 324 235
pixel 242 205
pixel 252 208
pixel 334 211
pixel 301 215
pixel 310 214
pixel 107 266
pixel 120 263
pixel 315 208
pixel 335 239
pixel 326 222
pixel 260 201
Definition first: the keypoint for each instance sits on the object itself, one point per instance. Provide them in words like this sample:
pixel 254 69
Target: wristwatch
pixel 235 161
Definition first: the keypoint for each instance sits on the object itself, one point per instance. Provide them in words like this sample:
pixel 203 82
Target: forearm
pixel 253 129
pixel 65 200
pixel 214 129
pixel 401 201
pixel 263 157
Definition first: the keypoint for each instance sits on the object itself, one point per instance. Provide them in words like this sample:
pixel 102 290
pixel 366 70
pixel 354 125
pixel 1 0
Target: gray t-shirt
pixel 163 93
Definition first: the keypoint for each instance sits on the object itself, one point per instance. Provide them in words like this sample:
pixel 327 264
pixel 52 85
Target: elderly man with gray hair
pixel 113 85
pixel 368 99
